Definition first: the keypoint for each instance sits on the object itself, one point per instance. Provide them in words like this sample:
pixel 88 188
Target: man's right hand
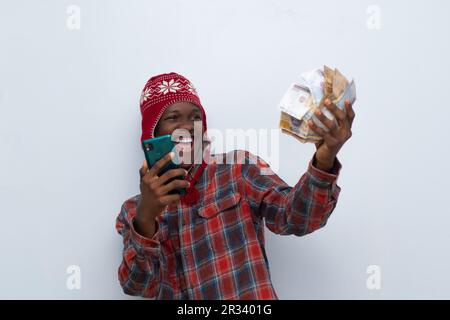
pixel 154 193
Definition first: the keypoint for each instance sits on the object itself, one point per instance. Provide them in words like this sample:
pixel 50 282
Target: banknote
pixel 348 94
pixel 339 84
pixel 315 82
pixel 296 101
pixel 328 80
pixel 298 128
pixel 307 95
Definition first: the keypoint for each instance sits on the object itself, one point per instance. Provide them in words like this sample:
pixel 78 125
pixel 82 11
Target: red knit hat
pixel 161 92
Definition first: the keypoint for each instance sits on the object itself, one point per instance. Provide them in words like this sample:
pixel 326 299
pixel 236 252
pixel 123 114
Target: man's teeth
pixel 188 140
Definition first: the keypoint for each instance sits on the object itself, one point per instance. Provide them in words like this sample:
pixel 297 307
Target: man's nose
pixel 187 125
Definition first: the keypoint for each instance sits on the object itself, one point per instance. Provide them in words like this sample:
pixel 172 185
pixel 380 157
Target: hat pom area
pixel 191 197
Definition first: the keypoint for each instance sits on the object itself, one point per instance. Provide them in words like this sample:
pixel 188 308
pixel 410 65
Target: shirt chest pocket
pixel 225 225
pixel 227 205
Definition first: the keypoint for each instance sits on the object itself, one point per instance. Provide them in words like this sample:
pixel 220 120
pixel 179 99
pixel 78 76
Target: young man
pixel 209 243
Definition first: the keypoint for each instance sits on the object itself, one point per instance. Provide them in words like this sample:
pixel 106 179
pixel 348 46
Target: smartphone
pixel 157 148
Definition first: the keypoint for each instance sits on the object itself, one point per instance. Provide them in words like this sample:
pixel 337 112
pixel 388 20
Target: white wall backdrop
pixel 70 129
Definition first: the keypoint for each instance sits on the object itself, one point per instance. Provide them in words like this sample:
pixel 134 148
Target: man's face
pixel 180 115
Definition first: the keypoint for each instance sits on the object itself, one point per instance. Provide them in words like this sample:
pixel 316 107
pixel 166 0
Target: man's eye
pixel 171 118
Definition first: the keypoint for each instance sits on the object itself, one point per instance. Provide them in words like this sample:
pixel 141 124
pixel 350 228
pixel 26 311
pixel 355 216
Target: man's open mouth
pixel 185 144
pixel 184 140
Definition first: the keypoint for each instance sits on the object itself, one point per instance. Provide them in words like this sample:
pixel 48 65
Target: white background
pixel 70 129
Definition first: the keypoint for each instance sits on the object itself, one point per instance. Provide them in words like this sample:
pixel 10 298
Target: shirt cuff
pixel 145 245
pixel 323 177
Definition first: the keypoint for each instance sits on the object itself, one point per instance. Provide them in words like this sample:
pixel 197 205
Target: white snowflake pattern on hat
pixel 172 86
pixel 145 95
pixel 191 88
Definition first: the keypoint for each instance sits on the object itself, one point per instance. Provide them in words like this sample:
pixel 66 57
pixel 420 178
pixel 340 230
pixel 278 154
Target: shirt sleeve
pixel 297 210
pixel 139 270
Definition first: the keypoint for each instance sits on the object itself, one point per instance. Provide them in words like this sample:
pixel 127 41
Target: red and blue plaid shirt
pixel 215 248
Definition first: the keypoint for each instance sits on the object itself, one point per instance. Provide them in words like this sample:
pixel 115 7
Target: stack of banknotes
pixel 307 95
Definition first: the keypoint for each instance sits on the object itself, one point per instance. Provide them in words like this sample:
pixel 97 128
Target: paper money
pixel 314 80
pixel 339 84
pixel 328 83
pixel 298 128
pixel 349 94
pixel 307 95
pixel 296 101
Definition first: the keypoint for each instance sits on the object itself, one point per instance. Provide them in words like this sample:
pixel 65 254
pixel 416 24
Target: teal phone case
pixel 155 149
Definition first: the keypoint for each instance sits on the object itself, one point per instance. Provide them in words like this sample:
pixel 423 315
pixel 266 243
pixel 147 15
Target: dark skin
pixel 154 190
pixel 334 139
pixel 181 115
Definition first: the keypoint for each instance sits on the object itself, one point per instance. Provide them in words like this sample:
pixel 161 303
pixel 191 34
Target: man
pixel 209 243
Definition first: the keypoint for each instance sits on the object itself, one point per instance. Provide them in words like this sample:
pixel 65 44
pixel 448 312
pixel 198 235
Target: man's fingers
pixel 169 199
pixel 172 173
pixel 160 164
pixel 330 124
pixel 316 128
pixel 350 112
pixel 175 184
pixel 338 113
pixel 325 135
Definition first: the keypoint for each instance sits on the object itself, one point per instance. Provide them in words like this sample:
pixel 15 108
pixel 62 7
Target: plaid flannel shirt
pixel 215 249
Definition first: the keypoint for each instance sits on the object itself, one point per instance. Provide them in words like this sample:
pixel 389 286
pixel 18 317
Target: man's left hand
pixel 338 133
